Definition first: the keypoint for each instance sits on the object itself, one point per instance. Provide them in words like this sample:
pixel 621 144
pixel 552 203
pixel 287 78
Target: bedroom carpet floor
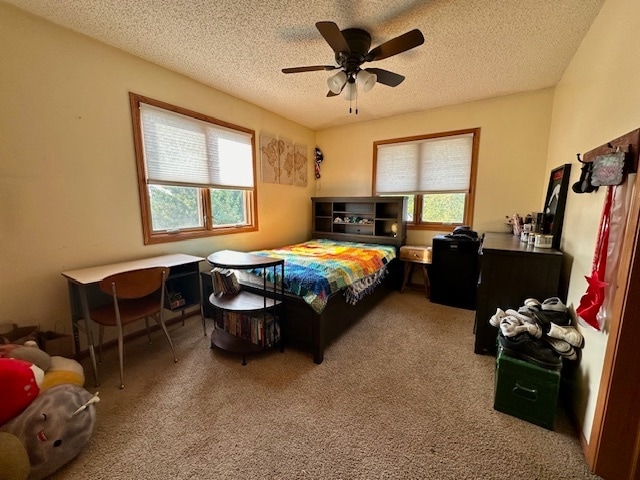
pixel 400 396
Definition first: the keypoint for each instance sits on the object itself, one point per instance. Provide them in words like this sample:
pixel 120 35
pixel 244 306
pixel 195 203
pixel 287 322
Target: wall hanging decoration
pixel 609 163
pixel 300 165
pixel 593 298
pixel 319 159
pixel 270 156
pixel 555 202
pixel 285 151
pixel 608 169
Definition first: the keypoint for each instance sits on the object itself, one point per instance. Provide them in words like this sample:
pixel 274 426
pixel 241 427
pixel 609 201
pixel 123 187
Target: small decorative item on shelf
pixel 516 223
pixel 175 299
pixel 543 241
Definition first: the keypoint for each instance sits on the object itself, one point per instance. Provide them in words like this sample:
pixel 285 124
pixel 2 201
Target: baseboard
pixel 140 333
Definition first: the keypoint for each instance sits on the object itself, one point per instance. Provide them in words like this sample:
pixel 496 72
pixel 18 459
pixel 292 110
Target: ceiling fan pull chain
pixel 355 86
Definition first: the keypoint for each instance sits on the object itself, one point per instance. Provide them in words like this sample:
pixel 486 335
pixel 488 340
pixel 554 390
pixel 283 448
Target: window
pixel 435 172
pixel 196 174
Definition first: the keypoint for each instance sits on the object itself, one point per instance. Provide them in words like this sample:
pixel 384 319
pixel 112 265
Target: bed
pixel 313 319
pixel 329 284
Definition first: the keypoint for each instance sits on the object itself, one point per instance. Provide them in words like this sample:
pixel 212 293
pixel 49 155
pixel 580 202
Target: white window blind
pixel 432 165
pixel 183 151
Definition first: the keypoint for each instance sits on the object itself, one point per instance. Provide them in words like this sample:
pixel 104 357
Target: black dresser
pixel 510 272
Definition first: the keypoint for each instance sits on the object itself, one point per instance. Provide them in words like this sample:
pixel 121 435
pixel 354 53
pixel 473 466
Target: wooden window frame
pixel 417 223
pixel 208 230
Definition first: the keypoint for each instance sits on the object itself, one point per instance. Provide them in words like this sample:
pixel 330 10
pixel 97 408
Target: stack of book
pixel 224 281
pixel 261 330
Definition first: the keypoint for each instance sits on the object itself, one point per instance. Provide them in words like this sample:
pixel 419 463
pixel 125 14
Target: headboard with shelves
pixel 360 219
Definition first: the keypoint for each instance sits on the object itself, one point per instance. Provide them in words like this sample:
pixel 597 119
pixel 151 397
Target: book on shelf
pixel 258 329
pixel 224 281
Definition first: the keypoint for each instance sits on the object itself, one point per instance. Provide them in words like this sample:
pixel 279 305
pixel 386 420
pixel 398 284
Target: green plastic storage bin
pixel 525 390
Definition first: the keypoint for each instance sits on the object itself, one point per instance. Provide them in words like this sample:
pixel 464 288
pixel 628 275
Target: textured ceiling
pixel 474 49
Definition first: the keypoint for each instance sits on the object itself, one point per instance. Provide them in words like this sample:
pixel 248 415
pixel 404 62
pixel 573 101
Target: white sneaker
pixel 495 319
pixel 532 302
pixel 521 316
pixel 510 326
pixel 562 348
pixel 568 334
pixel 555 304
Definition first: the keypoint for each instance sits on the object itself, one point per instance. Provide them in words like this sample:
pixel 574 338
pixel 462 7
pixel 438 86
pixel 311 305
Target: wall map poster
pixel 286 161
pixel 270 156
pixel 300 165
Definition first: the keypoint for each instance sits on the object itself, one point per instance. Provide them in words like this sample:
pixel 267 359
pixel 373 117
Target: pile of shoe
pixel 540 333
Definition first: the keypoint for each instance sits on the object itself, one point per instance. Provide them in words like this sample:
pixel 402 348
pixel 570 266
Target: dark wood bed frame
pixel 313 331
pixel 304 328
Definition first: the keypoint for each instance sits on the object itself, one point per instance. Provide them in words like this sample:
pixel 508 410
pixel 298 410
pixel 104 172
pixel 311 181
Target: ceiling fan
pixel 351 48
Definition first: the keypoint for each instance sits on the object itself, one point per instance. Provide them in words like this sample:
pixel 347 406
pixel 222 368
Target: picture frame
pixel 555 202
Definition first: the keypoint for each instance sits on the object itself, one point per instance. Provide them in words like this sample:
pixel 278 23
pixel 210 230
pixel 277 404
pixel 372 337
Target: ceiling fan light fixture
pixel 366 80
pixel 349 91
pixel 337 81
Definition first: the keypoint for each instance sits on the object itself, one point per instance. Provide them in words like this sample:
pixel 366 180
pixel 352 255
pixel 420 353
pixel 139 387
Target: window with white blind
pixel 435 172
pixel 196 174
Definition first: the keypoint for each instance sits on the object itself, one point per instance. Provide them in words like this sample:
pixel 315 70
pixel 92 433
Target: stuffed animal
pixel 19 383
pixel 46 412
pixel 14 461
pixel 29 352
pixel 63 370
pixel 55 427
pixel 57 370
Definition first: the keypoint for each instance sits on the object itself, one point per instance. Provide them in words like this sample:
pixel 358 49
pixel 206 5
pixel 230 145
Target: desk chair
pixel 136 294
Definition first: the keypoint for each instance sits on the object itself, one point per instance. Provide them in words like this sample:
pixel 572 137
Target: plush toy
pixel 63 370
pixel 55 427
pixel 44 408
pixel 14 461
pixel 57 370
pixel 19 383
pixel 29 352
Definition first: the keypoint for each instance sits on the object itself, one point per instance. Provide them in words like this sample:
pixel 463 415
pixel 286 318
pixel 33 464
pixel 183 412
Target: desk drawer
pixel 415 253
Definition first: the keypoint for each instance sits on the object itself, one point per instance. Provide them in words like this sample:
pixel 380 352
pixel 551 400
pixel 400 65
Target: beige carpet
pixel 400 396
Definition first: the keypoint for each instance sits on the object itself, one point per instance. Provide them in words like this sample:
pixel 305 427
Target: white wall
pixel 597 100
pixel 511 161
pixel 68 184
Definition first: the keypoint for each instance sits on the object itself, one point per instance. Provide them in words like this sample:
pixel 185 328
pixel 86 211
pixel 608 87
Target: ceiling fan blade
pixel 400 44
pixel 331 94
pixel 312 68
pixel 333 36
pixel 386 77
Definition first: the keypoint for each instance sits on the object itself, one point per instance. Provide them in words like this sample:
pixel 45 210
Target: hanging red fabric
pixel 593 298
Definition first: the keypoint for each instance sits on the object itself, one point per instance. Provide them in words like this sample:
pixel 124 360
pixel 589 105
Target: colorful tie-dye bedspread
pixel 317 268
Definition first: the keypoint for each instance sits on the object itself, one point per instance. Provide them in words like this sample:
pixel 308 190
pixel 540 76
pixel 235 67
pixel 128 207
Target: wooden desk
pixel 84 293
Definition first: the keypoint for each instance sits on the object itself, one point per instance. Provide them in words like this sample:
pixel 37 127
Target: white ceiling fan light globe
pixel 349 91
pixel 337 81
pixel 366 80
